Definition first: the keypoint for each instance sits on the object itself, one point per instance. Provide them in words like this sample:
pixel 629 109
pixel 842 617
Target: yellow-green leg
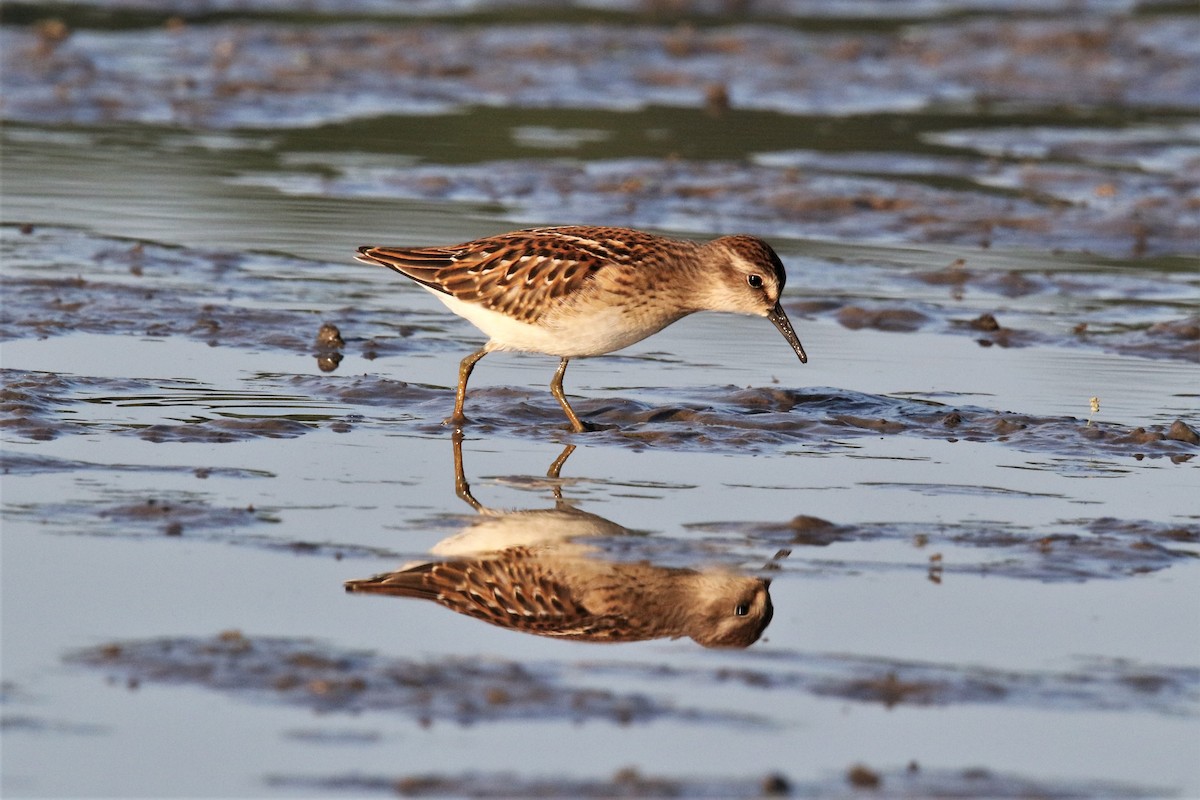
pixel 464 373
pixel 557 390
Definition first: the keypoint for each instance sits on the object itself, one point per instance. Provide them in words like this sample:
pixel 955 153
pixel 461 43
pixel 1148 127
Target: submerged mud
pixel 35 464
pixel 1069 550
pixel 42 406
pixel 327 679
pixel 711 419
pixel 911 780
pixel 248 75
pixel 1098 684
pixel 981 200
pixel 770 418
pixel 899 11
pixel 60 281
pixel 189 516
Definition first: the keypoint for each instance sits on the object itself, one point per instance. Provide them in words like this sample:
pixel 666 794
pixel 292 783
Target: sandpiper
pixel 578 291
pixel 551 590
pixel 541 571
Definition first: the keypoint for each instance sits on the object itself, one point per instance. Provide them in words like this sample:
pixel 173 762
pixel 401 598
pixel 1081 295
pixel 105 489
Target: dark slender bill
pixel 781 321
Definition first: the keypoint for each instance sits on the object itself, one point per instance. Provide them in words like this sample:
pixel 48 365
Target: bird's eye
pixel 755 281
pixel 742 609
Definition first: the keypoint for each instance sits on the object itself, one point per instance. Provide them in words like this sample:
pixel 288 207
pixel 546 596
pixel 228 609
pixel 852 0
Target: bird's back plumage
pixel 515 589
pixel 525 274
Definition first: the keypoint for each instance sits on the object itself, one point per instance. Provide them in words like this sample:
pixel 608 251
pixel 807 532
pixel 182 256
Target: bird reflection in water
pixel 528 571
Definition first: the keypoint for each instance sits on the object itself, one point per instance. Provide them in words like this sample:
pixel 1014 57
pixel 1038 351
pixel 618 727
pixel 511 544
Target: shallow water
pixel 980 585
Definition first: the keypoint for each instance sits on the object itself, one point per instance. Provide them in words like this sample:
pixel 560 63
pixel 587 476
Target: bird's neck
pixel 686 285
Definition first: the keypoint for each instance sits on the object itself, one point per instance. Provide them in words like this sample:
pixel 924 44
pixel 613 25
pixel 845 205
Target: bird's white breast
pixel 593 331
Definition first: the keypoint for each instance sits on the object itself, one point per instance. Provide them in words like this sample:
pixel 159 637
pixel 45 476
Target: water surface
pixel 980 584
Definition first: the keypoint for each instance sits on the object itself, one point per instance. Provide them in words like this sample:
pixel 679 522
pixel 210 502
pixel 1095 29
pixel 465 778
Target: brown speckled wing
pixel 510 591
pixel 524 273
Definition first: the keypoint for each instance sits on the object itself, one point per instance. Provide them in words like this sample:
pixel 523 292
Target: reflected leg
pixel 556 469
pixel 461 487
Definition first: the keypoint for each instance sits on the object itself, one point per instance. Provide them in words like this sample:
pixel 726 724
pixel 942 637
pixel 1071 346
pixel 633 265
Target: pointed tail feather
pixel 405 583
pixel 419 264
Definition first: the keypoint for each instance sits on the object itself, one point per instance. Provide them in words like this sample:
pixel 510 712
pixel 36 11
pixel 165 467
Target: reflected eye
pixel 742 609
pixel 755 282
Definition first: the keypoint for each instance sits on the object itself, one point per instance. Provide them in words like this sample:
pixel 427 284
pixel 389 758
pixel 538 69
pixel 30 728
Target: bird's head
pixel 752 281
pixel 732 611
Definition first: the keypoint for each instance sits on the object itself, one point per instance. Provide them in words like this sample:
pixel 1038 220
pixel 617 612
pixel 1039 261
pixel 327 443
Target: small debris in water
pixel 776 785
pixel 906 781
pixel 329 337
pixel 716 99
pixel 862 777
pixel 985 322
pixel 1180 431
pixel 884 319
